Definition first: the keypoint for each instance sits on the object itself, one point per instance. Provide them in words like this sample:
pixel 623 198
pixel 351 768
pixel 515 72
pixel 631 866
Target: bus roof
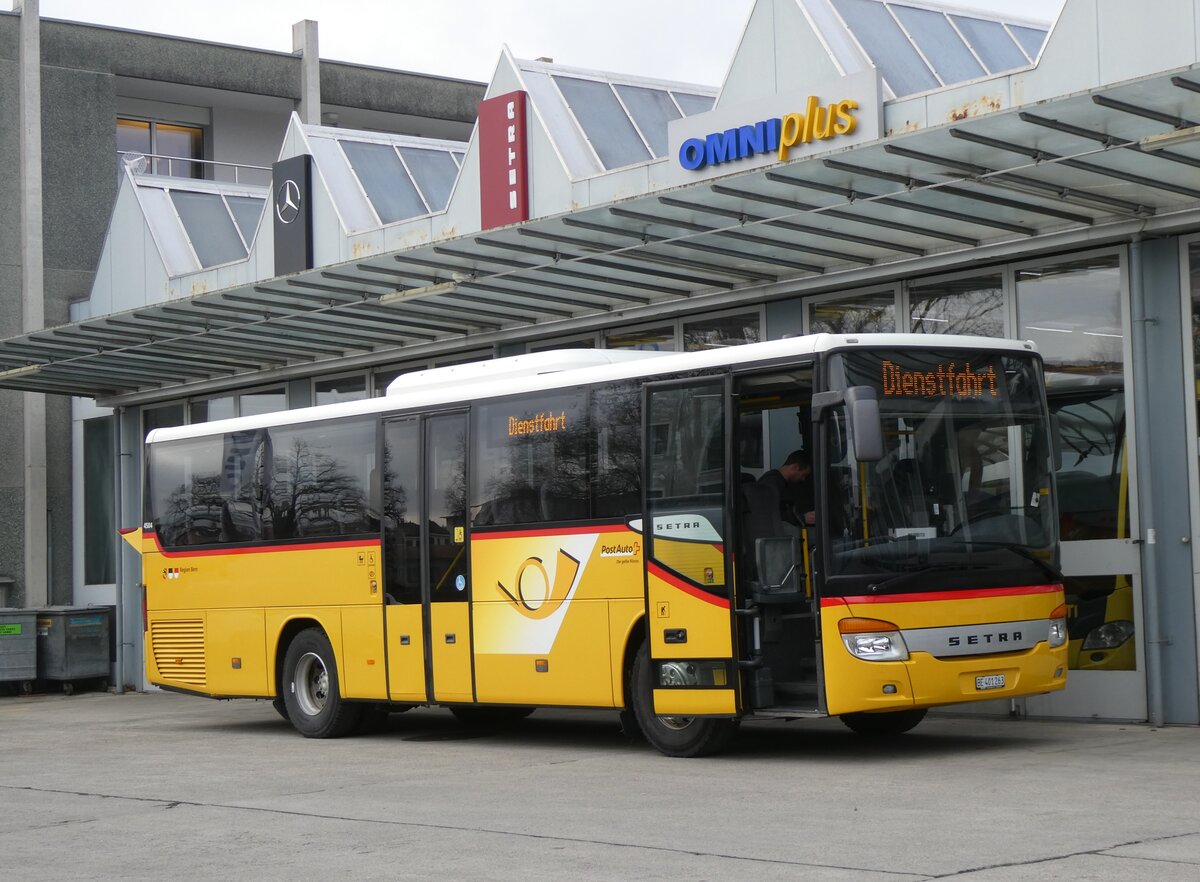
pixel 558 369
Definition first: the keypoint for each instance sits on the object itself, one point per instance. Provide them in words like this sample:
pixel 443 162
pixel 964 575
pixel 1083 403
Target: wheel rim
pixel 673 675
pixel 311 684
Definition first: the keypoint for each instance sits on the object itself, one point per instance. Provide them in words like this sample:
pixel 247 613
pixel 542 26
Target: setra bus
pixel 586 528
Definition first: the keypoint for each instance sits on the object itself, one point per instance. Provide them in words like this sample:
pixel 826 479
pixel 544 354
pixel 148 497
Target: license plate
pixel 991 681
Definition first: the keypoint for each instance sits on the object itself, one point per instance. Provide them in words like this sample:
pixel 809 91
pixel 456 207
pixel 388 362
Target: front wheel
pixel 884 725
pixel 671 735
pixel 311 693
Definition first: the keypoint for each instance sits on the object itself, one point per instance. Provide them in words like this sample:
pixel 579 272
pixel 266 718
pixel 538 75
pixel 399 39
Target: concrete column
pixel 304 43
pixel 29 91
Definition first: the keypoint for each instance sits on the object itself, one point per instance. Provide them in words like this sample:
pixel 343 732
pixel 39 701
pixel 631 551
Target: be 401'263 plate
pixel 990 681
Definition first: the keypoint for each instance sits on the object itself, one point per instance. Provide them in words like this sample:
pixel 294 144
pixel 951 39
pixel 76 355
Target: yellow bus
pixel 588 529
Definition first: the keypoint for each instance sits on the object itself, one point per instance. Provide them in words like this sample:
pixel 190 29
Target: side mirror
pixel 866 429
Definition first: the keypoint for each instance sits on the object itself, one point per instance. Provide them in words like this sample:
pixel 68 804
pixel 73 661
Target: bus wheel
pixel 884 725
pixel 474 715
pixel 311 693
pixel 674 736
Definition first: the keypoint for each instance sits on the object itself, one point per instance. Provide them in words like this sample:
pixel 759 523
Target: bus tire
pixel 482 717
pixel 674 736
pixel 311 691
pixel 884 725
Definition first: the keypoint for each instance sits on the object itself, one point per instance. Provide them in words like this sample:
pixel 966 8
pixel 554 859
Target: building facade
pixel 866 165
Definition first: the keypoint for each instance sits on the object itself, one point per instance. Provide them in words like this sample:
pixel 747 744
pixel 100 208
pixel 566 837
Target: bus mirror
pixel 862 408
pixel 780 569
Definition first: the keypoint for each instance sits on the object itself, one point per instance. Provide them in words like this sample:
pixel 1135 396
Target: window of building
pixel 99 526
pixel 973 305
pixel 718 332
pixel 656 339
pixel 334 389
pixel 169 147
pixel 224 407
pixel 868 313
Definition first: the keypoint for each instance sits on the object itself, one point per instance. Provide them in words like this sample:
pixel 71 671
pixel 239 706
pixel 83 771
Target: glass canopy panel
pixel 1031 39
pixel 887 46
pixel 604 121
pixel 991 43
pixel 692 104
pixel 167 232
pixel 940 43
pixel 209 226
pixel 382 175
pixel 434 171
pixel 347 195
pixel 246 211
pixel 651 109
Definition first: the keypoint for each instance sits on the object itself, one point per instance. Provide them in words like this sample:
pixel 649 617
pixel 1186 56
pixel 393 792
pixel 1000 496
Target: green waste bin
pixel 73 644
pixel 18 647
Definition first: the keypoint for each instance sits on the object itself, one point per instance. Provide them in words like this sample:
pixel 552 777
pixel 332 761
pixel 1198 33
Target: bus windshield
pixel 961 496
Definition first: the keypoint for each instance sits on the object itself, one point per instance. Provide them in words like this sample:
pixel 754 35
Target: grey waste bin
pixel 73 643
pixel 18 647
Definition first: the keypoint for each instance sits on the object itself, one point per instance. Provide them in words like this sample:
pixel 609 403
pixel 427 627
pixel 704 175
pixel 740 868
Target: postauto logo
pixel 819 122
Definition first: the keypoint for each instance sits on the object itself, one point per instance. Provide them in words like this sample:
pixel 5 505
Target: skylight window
pixel 918 48
pixel 377 178
pixel 200 224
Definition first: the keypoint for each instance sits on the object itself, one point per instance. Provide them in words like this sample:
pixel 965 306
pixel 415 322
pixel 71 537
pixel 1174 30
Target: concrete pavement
pixel 153 786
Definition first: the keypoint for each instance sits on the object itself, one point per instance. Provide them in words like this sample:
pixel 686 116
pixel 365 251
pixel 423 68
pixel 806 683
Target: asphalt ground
pixel 162 786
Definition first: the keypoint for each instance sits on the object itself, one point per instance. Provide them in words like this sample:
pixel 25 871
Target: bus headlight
pixel 873 639
pixel 1110 635
pixel 1058 627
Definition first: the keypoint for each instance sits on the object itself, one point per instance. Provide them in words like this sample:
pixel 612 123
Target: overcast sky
pixel 689 40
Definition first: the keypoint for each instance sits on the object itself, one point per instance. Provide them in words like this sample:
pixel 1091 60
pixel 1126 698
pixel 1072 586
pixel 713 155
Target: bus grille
pixel 178 647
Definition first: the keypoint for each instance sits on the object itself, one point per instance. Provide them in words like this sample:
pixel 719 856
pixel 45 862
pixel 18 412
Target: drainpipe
pixel 118 519
pixel 1148 539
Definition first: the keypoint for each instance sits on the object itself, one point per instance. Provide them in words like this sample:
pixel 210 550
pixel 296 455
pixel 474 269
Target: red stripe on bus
pixel 551 531
pixel 676 582
pixel 933 596
pixel 264 549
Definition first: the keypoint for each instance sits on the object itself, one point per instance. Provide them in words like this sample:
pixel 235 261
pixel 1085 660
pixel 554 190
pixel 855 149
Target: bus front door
pixel 687 464
pixel 425 559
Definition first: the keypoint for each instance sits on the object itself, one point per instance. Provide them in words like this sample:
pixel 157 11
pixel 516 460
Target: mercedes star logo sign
pixel 287 201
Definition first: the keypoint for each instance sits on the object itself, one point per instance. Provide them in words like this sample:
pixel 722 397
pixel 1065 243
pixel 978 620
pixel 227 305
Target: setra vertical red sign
pixel 503 161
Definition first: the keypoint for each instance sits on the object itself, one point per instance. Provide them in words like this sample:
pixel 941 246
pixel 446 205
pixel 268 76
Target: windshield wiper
pixel 1052 571
pixel 903 578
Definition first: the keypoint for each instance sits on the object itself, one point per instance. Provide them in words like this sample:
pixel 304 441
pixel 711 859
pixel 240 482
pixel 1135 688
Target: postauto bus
pixel 587 529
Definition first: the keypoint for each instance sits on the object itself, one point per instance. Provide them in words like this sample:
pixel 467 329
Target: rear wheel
pixel 884 725
pixel 312 695
pixel 673 735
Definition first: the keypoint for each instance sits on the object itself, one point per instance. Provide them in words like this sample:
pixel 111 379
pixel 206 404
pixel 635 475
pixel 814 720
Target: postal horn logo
pixel 534 593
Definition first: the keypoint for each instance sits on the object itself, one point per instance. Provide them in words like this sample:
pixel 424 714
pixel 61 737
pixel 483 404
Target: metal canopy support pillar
pixel 36 577
pixel 1150 584
pixel 304 43
pixel 119 558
